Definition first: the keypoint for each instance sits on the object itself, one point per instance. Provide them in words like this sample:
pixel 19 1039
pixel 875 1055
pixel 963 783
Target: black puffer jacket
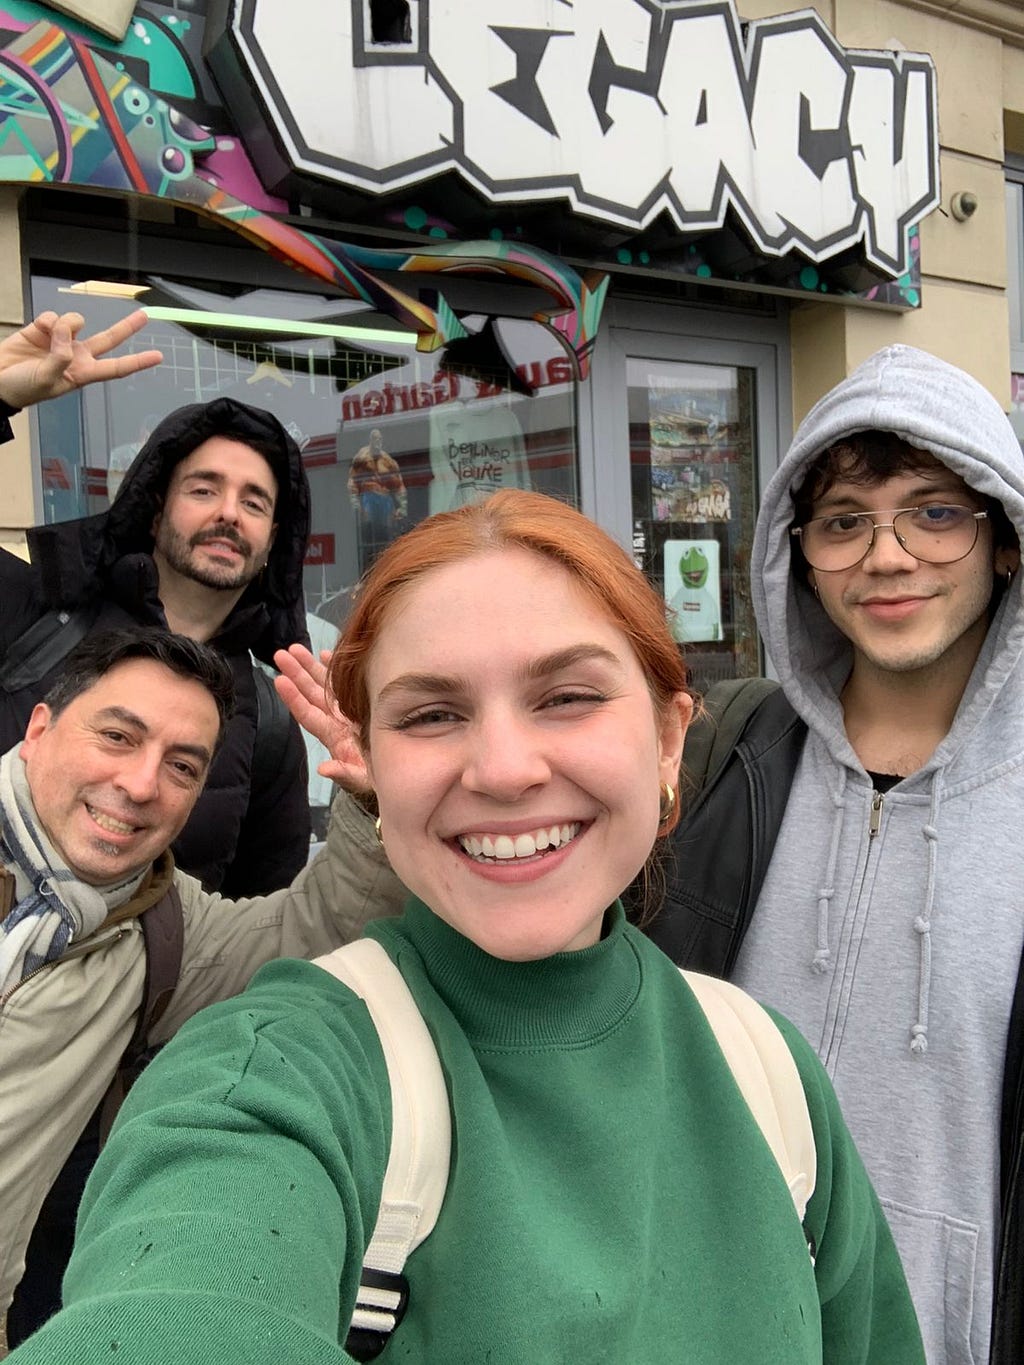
pixel 239 841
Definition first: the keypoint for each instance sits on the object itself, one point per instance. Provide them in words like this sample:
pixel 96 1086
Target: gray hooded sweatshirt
pixel 896 951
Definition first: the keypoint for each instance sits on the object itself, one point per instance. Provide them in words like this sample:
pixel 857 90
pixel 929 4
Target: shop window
pixel 456 424
pixel 693 470
pixel 388 434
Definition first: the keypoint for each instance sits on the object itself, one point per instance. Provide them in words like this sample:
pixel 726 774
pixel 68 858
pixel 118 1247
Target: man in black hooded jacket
pixel 207 536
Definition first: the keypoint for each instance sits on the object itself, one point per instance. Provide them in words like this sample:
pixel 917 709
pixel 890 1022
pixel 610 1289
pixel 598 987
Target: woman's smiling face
pixel 516 752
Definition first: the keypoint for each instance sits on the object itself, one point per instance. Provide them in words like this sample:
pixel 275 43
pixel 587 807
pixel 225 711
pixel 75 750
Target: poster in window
pixel 693 589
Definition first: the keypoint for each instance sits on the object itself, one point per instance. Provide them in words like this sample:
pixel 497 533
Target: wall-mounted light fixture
pixel 963 205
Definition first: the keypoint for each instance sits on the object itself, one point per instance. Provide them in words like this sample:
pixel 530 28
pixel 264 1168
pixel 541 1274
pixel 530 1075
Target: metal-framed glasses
pixel 937 533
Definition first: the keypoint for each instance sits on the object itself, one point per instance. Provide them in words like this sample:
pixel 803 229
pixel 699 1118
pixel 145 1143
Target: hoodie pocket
pixel 939 1257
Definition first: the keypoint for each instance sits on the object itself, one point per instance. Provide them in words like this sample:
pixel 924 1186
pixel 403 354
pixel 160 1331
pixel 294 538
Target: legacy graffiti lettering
pixel 814 147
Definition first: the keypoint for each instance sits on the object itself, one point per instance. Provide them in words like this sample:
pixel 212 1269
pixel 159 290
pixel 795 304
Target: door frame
pixel 649 331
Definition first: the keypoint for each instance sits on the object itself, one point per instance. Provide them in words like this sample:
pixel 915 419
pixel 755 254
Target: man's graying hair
pixel 97 654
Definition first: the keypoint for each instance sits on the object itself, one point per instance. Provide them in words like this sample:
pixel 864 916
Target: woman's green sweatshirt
pixel 611 1198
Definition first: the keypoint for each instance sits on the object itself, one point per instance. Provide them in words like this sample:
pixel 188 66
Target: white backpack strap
pixel 421 1139
pixel 763 1068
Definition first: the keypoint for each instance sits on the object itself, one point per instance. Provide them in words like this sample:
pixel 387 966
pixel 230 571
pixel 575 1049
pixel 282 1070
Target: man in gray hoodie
pixel 887 921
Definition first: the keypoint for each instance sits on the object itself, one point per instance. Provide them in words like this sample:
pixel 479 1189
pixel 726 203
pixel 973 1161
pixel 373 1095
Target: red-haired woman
pixel 520 706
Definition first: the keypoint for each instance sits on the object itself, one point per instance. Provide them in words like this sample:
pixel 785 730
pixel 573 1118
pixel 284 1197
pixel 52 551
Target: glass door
pixel 703 418
pixel 693 472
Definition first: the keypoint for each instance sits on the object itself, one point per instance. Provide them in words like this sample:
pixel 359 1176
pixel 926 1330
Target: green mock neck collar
pixel 569 999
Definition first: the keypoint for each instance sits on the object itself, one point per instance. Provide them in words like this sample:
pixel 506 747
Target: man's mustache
pixel 222 533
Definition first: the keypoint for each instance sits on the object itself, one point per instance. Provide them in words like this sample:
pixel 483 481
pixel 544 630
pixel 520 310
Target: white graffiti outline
pixel 885 245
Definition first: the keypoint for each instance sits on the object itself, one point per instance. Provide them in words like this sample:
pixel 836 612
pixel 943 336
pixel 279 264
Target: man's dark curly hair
pixel 871 457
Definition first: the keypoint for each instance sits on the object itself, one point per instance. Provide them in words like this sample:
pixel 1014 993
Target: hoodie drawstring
pixel 923 927
pixel 823 954
pixel 922 923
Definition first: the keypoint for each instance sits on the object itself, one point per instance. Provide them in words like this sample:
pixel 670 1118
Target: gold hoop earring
pixel 376 830
pixel 668 803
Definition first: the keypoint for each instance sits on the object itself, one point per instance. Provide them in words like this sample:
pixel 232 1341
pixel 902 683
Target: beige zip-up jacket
pixel 64 1028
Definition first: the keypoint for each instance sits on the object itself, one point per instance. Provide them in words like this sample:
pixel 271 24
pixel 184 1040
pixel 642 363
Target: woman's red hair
pixel 511 518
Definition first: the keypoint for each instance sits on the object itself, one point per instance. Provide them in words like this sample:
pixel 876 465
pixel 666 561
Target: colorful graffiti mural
pixel 70 115
pixel 574 321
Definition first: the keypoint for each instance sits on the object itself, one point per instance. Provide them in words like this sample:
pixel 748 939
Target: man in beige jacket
pixel 109 770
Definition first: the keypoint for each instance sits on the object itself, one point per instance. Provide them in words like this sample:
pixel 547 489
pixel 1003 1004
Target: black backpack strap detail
pixel 46 642
pixel 380 1306
pixel 273 726
pixel 163 934
pixel 719 852
pixel 728 706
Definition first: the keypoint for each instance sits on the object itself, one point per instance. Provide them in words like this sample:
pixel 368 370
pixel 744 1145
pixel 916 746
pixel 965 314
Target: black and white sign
pixel 626 108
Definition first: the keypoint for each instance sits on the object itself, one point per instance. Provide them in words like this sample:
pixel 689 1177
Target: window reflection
pixel 388 435
pixel 499 411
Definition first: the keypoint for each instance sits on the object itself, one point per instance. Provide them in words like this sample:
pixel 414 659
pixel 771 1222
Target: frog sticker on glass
pixel 693 589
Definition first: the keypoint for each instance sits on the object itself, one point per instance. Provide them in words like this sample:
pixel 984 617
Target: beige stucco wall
pixel 978 50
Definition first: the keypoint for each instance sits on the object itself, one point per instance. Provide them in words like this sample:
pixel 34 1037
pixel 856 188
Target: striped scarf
pixel 51 907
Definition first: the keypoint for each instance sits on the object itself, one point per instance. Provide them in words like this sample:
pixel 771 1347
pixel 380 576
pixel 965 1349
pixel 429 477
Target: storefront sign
pixel 626 108
pixel 383 398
